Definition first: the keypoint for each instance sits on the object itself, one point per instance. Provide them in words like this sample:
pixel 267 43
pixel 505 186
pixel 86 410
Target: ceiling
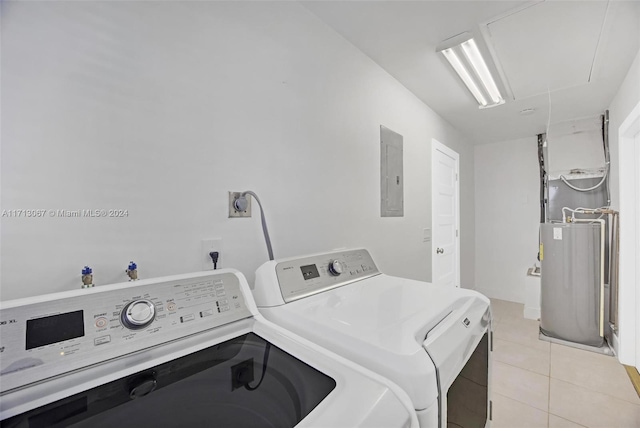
pixel 563 59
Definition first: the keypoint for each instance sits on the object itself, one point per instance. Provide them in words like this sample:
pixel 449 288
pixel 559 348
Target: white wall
pixel 507 196
pixel 467 212
pixel 160 108
pixel 625 101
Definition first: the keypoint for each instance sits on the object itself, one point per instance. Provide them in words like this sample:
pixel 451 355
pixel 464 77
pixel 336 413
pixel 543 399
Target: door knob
pixel 440 250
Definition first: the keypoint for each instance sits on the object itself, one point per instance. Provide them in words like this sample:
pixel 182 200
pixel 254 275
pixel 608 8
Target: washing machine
pixel 181 351
pixel 434 342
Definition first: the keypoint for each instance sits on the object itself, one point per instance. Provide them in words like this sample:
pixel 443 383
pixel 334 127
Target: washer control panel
pixel 306 276
pixel 49 335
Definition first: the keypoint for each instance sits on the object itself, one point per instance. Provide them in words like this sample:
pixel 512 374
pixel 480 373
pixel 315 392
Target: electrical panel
pixel 391 174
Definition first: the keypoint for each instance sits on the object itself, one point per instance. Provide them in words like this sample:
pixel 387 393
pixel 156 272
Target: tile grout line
pixel 521 402
pixel 549 394
pixel 504 319
pixel 588 388
pixel 566 419
pixel 526 346
pixel 522 368
pixel 549 403
pixel 562 380
pixel 594 390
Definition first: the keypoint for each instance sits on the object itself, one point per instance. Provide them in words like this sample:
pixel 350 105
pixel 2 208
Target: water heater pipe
pixel 602 226
pixel 607 155
pixel 582 210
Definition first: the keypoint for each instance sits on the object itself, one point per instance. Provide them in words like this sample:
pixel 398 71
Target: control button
pixel 138 314
pixel 171 306
pixel 101 340
pixel 223 308
pixel 223 302
pixel 220 293
pixel 206 313
pixel 335 267
pixel 101 322
pixel 186 318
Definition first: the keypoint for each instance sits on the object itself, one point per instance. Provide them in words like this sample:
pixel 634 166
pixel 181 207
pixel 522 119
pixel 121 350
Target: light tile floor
pixel 540 384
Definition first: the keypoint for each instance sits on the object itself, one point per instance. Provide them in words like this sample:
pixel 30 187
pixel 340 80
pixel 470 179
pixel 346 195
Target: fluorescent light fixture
pixel 474 57
pixel 464 56
pixel 453 59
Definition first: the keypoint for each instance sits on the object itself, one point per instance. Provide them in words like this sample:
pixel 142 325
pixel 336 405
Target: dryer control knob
pixel 335 267
pixel 138 314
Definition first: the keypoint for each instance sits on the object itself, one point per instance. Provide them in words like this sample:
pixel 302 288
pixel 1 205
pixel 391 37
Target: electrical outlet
pixel 209 245
pixel 233 212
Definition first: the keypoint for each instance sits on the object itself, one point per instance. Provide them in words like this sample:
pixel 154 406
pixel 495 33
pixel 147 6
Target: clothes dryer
pixel 434 342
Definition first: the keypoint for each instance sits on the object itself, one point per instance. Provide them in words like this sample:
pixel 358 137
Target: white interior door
pixel 445 214
pixel 636 144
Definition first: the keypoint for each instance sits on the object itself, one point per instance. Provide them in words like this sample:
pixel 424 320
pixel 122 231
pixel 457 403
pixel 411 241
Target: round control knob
pixel 335 267
pixel 138 314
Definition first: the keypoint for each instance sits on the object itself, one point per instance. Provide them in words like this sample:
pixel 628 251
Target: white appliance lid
pixel 379 322
pixel 388 313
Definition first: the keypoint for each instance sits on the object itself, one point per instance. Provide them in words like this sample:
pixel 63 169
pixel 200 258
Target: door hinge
pixel 456 176
pixel 490 410
pixel 456 233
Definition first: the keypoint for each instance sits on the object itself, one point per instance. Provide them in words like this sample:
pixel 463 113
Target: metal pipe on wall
pixel 541 139
pixel 614 257
pixel 605 142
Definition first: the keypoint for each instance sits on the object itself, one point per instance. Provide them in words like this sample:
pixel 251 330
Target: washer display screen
pixel 309 271
pixel 53 329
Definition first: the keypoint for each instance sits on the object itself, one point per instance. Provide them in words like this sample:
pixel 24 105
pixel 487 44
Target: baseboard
pixel 615 344
pixel 500 294
pixel 532 313
pixel 605 349
pixel 635 377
